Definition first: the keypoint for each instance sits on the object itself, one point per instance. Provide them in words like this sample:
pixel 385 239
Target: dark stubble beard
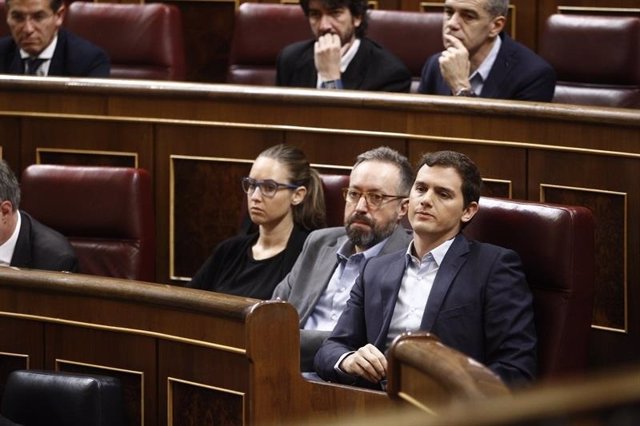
pixel 367 239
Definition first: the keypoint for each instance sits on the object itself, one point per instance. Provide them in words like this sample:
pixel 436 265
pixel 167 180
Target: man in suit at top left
pixel 25 242
pixel 39 46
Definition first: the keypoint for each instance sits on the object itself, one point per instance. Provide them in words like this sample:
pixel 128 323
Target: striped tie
pixel 32 65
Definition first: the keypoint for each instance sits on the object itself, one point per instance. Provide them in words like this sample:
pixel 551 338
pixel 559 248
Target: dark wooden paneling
pixel 87 142
pixel 10 141
pixel 207 27
pixel 608 184
pixel 203 390
pixel 206 208
pixel 127 357
pixel 187 352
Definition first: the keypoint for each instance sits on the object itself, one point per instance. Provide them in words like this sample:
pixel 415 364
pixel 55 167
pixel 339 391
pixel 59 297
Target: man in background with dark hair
pixel 38 46
pixel 340 57
pixel 25 242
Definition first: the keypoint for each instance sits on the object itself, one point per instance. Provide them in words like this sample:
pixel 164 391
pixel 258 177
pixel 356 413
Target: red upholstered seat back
pixel 557 249
pixel 142 40
pixel 106 213
pixel 596 58
pixel 4 28
pixel 332 186
pixel 261 31
pixel 411 36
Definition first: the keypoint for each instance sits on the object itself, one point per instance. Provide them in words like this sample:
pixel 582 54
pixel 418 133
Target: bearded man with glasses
pixel 319 283
pixel 39 46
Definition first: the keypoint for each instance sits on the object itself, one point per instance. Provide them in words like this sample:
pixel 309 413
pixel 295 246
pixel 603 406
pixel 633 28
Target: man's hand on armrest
pixel 367 362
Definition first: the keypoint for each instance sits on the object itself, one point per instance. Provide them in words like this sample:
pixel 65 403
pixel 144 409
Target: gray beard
pixel 367 239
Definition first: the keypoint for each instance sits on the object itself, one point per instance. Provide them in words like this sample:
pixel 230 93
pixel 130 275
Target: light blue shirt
pixel 417 282
pixel 333 300
pixel 479 76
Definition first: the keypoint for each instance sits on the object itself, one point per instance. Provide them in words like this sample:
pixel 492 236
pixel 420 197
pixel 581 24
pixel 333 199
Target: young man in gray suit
pixel 321 279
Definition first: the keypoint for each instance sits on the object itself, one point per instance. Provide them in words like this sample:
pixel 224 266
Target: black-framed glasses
pixel 373 199
pixel 268 187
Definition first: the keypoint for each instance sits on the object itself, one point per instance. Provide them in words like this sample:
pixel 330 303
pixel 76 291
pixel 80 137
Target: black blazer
pixel 372 68
pixel 73 57
pixel 518 73
pixel 40 247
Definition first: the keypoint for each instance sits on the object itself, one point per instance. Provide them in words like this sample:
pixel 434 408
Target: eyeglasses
pixel 373 199
pixel 36 18
pixel 268 187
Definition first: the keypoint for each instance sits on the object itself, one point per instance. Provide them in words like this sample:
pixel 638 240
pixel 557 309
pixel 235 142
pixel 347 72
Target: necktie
pixel 32 65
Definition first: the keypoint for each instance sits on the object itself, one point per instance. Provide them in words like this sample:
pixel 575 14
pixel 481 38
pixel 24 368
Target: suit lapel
pixel 504 63
pixel 353 77
pixel 17 65
pixel 57 66
pixel 22 253
pixel 390 282
pixel 323 271
pixel 305 74
pixel 451 264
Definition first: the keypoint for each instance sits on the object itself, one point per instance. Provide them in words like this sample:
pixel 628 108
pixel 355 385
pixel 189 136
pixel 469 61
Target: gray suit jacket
pixel 311 273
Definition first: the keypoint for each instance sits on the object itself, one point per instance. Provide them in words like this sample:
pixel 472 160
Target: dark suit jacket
pixel 372 68
pixel 73 57
pixel 40 247
pixel 480 304
pixel 518 73
pixel 309 277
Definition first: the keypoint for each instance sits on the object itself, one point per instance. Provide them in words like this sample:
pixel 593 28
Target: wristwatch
pixel 331 84
pixel 466 91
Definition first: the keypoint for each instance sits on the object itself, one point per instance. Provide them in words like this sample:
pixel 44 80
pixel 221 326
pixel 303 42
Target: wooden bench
pixel 183 356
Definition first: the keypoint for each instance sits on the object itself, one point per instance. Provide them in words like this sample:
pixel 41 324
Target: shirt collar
pixel 437 253
pixel 485 67
pixel 9 246
pixel 349 55
pixel 47 53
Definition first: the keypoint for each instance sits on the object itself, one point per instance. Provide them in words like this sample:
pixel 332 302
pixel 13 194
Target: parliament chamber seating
pixel 261 31
pixel 49 398
pixel 556 245
pixel 143 41
pixel 106 213
pixel 411 36
pixel 334 201
pixel 596 58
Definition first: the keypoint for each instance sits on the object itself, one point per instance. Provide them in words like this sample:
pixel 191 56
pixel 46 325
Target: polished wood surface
pixel 432 376
pixel 184 356
pixel 195 139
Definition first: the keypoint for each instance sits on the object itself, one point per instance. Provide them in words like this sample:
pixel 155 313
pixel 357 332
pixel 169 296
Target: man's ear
pixel 469 211
pixel 60 14
pixel 497 25
pixel 6 208
pixel 403 208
